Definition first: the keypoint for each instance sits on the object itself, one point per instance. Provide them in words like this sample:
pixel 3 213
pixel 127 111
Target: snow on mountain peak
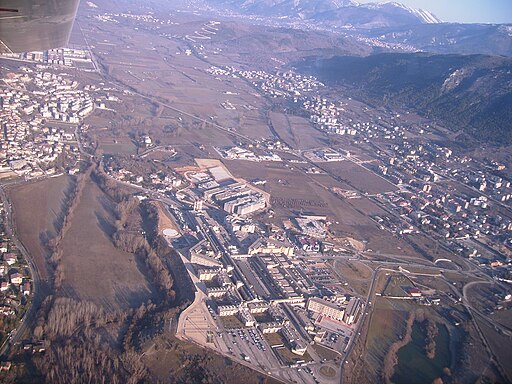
pixel 423 15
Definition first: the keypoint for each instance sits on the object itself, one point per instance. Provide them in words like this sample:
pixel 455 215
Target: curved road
pixel 41 287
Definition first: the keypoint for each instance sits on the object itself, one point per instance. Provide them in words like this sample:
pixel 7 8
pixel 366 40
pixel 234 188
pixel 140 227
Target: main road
pixel 41 286
pixel 362 319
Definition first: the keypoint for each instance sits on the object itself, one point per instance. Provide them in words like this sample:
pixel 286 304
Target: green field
pixel 414 367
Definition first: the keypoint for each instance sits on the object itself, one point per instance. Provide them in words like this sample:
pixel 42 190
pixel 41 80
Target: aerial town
pixel 265 287
pixel 260 288
pixel 300 253
pixel 16 282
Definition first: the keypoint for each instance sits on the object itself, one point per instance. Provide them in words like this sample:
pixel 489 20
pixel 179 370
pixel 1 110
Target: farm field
pixel 359 177
pixel 312 197
pixel 296 132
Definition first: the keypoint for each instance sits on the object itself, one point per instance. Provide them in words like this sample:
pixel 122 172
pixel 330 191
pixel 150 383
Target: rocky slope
pixel 471 93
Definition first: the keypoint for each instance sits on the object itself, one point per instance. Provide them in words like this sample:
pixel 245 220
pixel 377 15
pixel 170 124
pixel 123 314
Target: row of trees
pixel 70 205
pixel 109 186
pixel 129 233
pixel 81 348
pixel 391 359
pixel 136 243
pixel 430 340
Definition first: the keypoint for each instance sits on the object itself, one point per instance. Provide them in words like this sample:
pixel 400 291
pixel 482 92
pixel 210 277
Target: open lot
pixel 326 353
pixel 165 220
pixel 170 359
pixel 499 345
pixel 94 269
pixel 356 274
pixel 488 298
pixel 118 146
pixel 397 286
pixel 231 322
pixel 359 177
pixel 281 184
pixel 296 132
pixel 37 212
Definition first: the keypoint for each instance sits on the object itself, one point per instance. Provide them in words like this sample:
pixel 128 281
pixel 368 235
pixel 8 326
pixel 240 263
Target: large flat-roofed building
pixel 231 191
pixel 272 327
pixel 353 309
pixel 245 205
pixel 237 198
pixel 253 205
pixel 208 274
pixel 245 316
pixel 205 261
pixel 268 247
pixel 227 310
pixel 326 308
pixel 259 307
pixel 217 292
pixel 231 205
pixel 213 193
pixel 313 228
pixel 296 343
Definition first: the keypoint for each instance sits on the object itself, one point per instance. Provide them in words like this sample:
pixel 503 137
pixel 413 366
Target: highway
pixel 366 314
pixel 402 268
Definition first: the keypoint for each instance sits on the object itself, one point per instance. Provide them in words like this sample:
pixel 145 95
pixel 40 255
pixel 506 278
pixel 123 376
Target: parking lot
pixel 200 323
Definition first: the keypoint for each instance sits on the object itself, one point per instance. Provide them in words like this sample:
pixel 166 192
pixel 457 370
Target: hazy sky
pixel 463 11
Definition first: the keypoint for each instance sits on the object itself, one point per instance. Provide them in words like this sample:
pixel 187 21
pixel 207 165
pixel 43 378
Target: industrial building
pixel 326 308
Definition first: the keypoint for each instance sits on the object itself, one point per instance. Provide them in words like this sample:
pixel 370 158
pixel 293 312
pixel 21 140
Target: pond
pixel 414 367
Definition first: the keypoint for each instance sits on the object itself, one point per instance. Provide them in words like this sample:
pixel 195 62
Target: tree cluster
pixel 109 186
pixel 67 316
pixel 129 235
pixel 89 360
pixel 430 339
pixel 80 350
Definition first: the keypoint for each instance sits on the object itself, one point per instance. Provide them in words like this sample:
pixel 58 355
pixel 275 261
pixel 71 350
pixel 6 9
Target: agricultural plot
pixel 359 177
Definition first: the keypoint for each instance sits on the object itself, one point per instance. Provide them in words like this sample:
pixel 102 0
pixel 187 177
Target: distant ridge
pixel 338 13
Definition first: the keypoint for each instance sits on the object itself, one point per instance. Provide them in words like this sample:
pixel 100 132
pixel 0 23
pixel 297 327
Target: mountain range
pixel 386 26
pixel 332 13
pixel 489 39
